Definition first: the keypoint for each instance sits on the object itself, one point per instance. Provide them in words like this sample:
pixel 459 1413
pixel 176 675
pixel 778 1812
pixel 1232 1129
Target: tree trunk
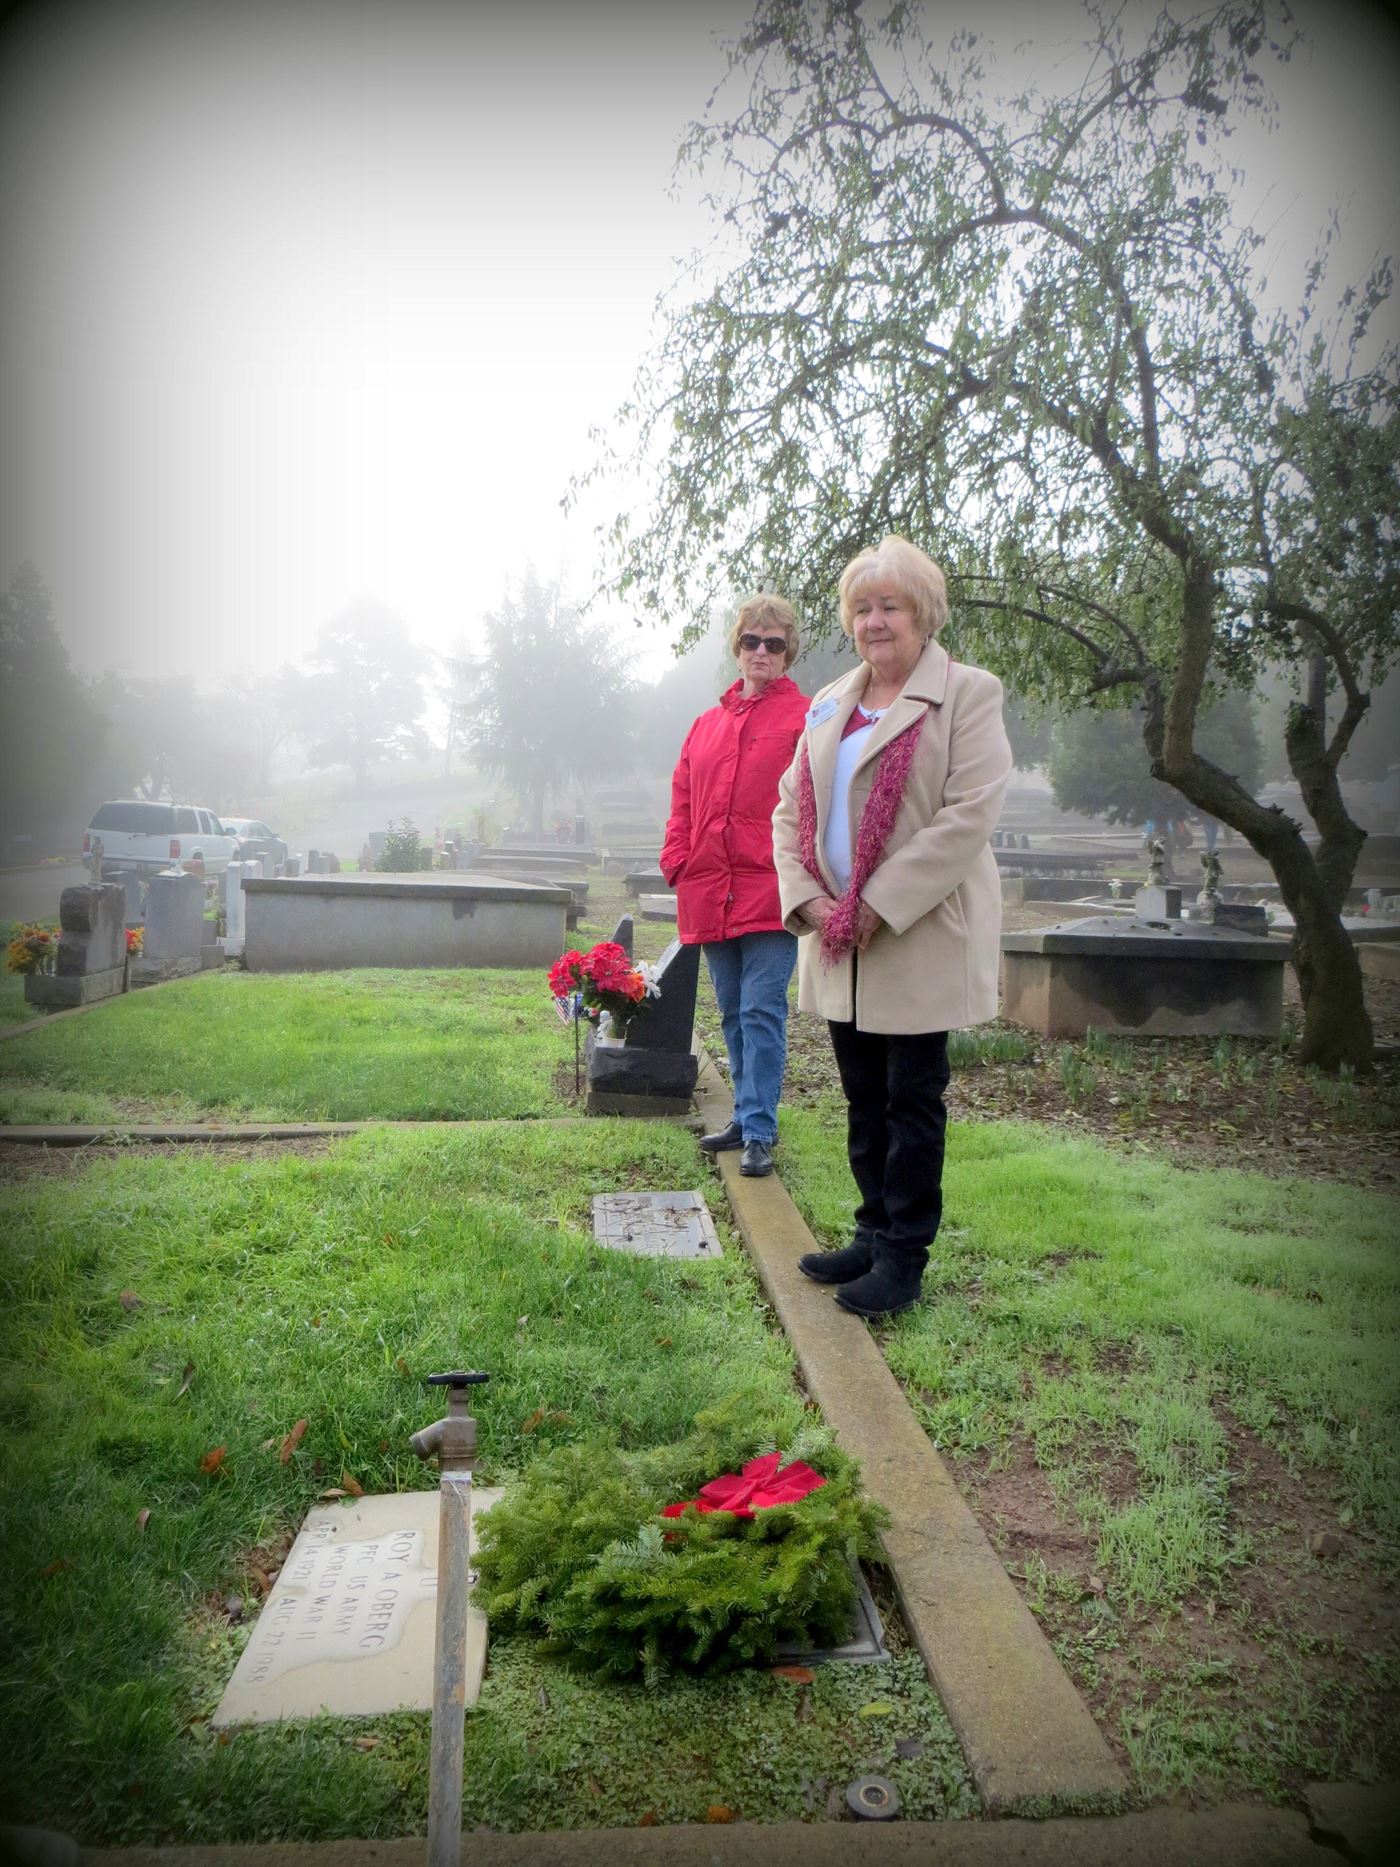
pixel 1313 885
pixel 1336 1027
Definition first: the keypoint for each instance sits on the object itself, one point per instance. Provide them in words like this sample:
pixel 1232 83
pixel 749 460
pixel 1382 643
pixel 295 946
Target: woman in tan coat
pixel 882 842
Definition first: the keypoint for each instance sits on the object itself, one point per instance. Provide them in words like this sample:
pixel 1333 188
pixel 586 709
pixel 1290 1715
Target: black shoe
pixel 757 1160
pixel 723 1139
pixel 839 1267
pixel 890 1286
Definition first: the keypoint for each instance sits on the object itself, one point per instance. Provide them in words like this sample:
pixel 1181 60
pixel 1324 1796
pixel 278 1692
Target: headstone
pixel 653 1070
pixel 657 907
pixel 1158 902
pixel 174 929
pixel 91 960
pixel 128 879
pixel 378 841
pixel 235 908
pixel 350 1623
pixel 655 1225
pixel 622 934
pixel 292 866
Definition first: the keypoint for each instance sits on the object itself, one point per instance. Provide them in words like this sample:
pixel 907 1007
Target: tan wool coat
pixel 932 966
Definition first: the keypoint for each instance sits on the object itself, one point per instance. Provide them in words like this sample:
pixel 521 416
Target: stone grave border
pixel 1028 1737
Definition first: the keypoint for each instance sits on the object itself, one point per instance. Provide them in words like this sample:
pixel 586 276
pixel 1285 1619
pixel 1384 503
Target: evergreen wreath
pixel 578 1554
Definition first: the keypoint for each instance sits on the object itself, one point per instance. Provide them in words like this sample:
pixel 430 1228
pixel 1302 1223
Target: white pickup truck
pixel 139 834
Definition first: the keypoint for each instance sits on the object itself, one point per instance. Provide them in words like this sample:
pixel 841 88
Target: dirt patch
pixel 27 1160
pixel 1292 1655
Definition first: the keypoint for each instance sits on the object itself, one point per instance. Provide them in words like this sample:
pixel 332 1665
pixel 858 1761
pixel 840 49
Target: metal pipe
pixel 453 1442
pixel 450 1670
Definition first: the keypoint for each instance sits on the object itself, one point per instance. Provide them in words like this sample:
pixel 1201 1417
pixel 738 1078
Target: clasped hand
pixel 818 911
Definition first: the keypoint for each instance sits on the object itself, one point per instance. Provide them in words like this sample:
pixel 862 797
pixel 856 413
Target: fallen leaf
pixel 384 1445
pixel 211 1461
pixel 130 1301
pixel 799 1675
pixel 54 1568
pixel 185 1380
pixel 370 1742
pixel 293 1440
pixel 352 1484
pixel 260 1576
pixel 535 1419
pixel 908 1747
pixel 664 1341
pixel 143 1517
pixel 1325 1543
pixel 718 1812
pixel 649 1820
pixel 318 1467
pixel 1096 1585
pixel 595 1788
pixel 560 1419
pixel 402 1365
pixel 877 1708
pixel 268 1444
pixel 328 1496
pixel 543 1698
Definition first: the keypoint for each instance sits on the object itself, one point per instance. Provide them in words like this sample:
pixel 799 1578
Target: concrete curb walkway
pixel 1234 1836
pixel 1029 1739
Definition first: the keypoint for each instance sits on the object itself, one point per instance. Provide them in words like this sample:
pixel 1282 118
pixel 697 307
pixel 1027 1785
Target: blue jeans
pixel 750 976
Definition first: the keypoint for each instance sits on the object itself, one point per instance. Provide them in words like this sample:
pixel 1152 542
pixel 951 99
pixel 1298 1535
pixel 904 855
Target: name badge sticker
pixel 823 710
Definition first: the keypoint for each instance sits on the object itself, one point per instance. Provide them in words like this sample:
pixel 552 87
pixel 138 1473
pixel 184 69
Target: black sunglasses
pixel 775 644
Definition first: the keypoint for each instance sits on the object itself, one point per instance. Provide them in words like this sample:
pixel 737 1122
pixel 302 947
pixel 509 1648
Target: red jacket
pixel 718 853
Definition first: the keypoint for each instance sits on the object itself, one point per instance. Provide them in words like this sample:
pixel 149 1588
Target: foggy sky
pixel 307 301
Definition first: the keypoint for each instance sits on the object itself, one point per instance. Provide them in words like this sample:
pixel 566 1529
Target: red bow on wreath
pixel 758 1487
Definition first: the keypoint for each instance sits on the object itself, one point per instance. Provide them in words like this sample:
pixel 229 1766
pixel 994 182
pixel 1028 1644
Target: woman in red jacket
pixel 718 856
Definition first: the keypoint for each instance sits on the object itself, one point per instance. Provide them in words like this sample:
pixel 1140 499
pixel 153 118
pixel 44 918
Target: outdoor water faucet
pixel 452 1440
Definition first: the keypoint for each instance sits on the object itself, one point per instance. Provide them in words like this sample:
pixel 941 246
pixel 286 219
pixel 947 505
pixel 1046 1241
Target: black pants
pixel 896 1125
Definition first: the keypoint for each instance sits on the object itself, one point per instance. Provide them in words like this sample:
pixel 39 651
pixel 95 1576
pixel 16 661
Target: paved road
pixel 32 894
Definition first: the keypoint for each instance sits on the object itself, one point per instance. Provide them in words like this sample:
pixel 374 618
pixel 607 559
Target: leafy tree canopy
pixel 50 732
pixel 554 700
pixel 362 702
pixel 1098 764
pixel 1030 333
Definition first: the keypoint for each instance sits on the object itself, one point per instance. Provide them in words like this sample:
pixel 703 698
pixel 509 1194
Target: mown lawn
pixel 1158 1387
pixel 159 1305
pixel 332 1046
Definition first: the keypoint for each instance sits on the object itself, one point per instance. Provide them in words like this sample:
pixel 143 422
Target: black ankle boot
pixel 891 1285
pixel 839 1267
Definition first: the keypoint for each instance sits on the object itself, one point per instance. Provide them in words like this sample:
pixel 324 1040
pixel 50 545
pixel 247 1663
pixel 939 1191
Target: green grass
pixel 1120 1324
pixel 261 1291
pixel 1140 1299
pixel 335 1046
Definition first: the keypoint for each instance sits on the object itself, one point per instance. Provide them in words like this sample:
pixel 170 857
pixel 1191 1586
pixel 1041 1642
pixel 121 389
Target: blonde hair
pixel 765 612
pixel 917 578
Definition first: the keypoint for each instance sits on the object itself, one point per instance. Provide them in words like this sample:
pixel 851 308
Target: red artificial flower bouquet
pixel 604 979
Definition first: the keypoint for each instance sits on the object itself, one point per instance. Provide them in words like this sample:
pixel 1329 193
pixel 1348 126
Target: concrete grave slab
pixel 350 1624
pixel 656 1225
pixel 657 907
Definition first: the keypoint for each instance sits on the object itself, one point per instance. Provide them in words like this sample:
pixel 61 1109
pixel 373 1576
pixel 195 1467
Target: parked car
pixel 253 830
pixel 148 836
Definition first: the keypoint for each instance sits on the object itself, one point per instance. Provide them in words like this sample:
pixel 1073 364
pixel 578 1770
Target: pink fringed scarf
pixel 876 821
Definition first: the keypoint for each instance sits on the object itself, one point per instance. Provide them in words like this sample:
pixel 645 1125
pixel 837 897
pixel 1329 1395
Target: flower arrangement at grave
pixel 135 941
pixel 33 949
pixel 602 979
pixel 704 1555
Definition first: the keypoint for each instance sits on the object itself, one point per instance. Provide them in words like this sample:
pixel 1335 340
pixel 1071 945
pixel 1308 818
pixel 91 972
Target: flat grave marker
pixel 656 1225
pixel 350 1623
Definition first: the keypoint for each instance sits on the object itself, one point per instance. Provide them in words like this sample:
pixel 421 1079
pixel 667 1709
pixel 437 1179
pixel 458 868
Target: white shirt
pixel 836 843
